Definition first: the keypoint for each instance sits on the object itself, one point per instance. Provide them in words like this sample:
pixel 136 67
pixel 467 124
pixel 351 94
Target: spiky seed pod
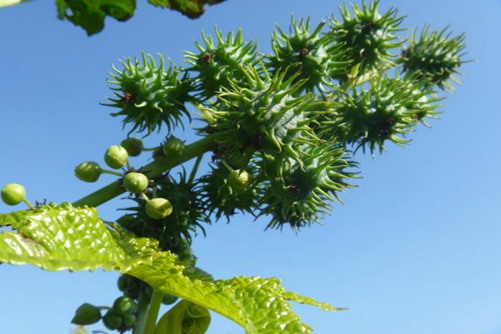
pixel 302 194
pixel 366 37
pixel 268 118
pixel 387 110
pixel 219 61
pixel 148 95
pixel 308 53
pixel 224 196
pixel 434 57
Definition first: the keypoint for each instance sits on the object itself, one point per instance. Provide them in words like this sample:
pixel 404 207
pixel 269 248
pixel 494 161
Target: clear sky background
pixel 415 249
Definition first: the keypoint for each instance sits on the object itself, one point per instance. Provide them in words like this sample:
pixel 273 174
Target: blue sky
pixel 414 249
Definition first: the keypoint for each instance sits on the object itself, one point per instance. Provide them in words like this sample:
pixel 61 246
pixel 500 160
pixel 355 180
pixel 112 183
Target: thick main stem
pixel 152 169
pixel 151 320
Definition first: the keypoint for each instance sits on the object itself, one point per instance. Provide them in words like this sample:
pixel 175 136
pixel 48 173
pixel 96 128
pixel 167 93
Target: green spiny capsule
pixel 149 95
pixel 135 183
pixel 434 57
pixel 133 146
pixel 366 37
pixel 116 156
pixel 13 194
pixel 86 314
pixel 158 208
pixel 308 55
pixel 88 171
pixel 221 61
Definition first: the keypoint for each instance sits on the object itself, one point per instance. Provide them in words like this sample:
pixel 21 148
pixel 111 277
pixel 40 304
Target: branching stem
pixel 152 169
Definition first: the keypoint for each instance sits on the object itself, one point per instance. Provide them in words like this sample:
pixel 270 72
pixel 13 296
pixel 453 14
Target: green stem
pixel 195 168
pixel 142 313
pixel 151 320
pixel 111 172
pixel 152 169
pixel 25 201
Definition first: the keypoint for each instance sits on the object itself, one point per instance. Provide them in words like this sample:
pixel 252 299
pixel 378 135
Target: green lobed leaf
pixel 90 14
pixel 184 318
pixel 191 8
pixel 5 3
pixel 57 237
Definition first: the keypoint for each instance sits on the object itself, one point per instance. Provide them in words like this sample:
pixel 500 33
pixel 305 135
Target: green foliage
pixel 56 237
pixel 282 130
pixel 184 317
pixel 4 3
pixel 190 8
pixel 91 14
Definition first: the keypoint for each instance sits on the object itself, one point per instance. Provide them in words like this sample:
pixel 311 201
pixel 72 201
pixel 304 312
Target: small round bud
pixel 133 146
pixel 86 314
pixel 173 147
pixel 158 208
pixel 129 320
pixel 112 320
pixel 238 179
pixel 88 171
pixel 124 305
pixel 135 183
pixel 116 156
pixel 13 194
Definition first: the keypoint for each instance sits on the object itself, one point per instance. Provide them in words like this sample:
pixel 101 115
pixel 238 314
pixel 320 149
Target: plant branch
pixel 152 169
pixel 151 320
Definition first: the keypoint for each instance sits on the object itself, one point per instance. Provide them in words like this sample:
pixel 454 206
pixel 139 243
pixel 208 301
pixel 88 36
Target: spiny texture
pixel 434 57
pixel 268 117
pixel 299 194
pixel 366 37
pixel 148 95
pixel 387 109
pixel 309 56
pixel 219 62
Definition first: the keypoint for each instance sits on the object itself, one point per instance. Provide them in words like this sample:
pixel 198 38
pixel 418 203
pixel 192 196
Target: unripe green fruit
pixel 86 314
pixel 112 320
pixel 13 194
pixel 173 147
pixel 122 283
pixel 238 179
pixel 116 156
pixel 124 305
pixel 135 183
pixel 88 171
pixel 133 146
pixel 129 320
pixel 158 208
